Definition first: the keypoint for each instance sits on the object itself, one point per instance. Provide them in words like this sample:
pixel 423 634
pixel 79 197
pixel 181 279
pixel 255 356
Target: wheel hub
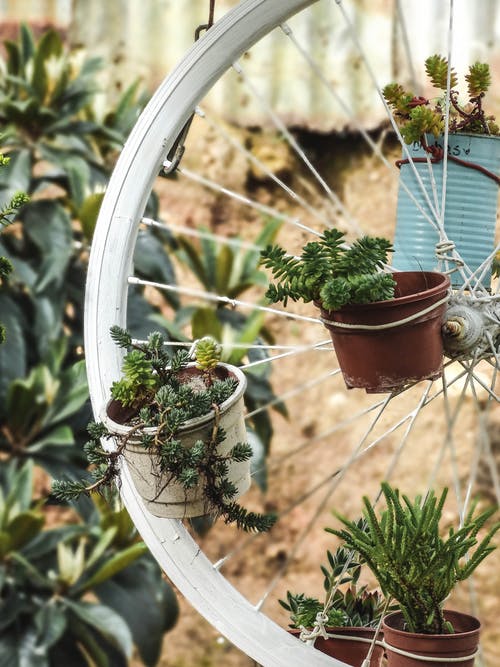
pixel 471 328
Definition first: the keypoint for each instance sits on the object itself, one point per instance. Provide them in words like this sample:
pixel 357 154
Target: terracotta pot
pixel 463 643
pixel 384 360
pixel 168 499
pixel 350 651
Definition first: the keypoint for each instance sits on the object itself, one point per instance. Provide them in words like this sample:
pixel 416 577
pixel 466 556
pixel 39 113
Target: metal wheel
pixel 349 429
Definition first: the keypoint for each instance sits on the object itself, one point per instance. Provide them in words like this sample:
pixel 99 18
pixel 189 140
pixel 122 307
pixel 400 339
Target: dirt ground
pixel 298 542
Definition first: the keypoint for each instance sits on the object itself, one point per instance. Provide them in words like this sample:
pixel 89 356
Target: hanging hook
pixel 209 24
pixel 175 154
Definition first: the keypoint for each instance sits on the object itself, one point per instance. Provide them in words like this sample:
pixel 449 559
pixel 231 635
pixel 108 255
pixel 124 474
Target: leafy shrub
pixel 47 615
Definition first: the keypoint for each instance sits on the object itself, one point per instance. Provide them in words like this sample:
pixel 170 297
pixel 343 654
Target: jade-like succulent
pixel 417 116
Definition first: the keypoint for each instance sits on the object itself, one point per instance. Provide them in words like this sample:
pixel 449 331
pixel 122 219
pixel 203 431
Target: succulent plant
pixel 159 396
pixel 416 116
pixel 331 273
pixel 414 565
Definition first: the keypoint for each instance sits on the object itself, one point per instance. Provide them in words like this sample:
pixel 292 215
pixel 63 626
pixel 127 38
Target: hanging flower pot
pixel 162 496
pixel 385 345
pixel 472 181
pixel 347 647
pixel 400 645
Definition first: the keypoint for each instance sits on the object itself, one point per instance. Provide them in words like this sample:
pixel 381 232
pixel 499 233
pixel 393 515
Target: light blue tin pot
pixel 470 211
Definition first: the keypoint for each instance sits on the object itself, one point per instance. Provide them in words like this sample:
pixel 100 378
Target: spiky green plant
pixel 416 116
pixel 412 562
pixel 353 606
pixel 331 273
pixel 159 396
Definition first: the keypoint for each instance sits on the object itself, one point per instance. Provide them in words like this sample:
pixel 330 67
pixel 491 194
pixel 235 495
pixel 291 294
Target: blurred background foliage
pixel 72 579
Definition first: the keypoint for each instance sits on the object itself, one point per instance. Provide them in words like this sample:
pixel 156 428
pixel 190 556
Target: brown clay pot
pixel 348 650
pixel 462 643
pixel 385 360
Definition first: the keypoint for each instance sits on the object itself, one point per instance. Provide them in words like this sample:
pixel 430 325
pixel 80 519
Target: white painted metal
pixel 106 299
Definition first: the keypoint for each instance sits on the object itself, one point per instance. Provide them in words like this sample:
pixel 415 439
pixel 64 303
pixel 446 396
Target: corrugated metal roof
pixel 146 39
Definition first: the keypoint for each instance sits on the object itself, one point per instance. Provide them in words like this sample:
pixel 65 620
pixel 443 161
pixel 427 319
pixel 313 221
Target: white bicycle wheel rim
pixel 106 294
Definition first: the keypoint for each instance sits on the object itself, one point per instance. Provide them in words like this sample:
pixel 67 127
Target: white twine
pixel 319 630
pixel 386 325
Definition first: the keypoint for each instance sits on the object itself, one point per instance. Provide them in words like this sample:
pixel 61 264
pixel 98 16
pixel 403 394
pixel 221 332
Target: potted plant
pixel 418 568
pixel 179 426
pixel 473 166
pixel 349 615
pixel 385 327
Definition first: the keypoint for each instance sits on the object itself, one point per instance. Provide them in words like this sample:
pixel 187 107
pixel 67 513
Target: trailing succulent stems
pixel 416 116
pixel 413 564
pixel 158 398
pixel 330 273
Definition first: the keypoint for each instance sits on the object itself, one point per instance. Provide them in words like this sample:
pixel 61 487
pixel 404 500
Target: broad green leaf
pixel 21 487
pixel 205 322
pixel 59 436
pixel 192 257
pixel 35 575
pixel 49 309
pixel 72 395
pixel 102 544
pixel 122 523
pixel 13 350
pixel 110 624
pixel 5 543
pixel 224 270
pixel 266 237
pixel 147 603
pixel 49 227
pixel 114 565
pixel 139 313
pixel 13 60
pixel 209 258
pixel 78 173
pixel 27 400
pixel 15 176
pixel 24 527
pixel 85 637
pixel 46 542
pixel 27 43
pixel 51 623
pixel 248 334
pixel 152 262
pixel 88 214
pixel 49 47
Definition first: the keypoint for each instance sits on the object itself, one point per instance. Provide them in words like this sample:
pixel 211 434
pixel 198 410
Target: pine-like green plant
pixel 351 605
pixel 416 116
pixel 413 563
pixel 330 273
pixel 157 394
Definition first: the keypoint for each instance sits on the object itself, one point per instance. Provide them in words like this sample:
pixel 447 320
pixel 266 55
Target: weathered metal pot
pixel 470 210
pixel 168 499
